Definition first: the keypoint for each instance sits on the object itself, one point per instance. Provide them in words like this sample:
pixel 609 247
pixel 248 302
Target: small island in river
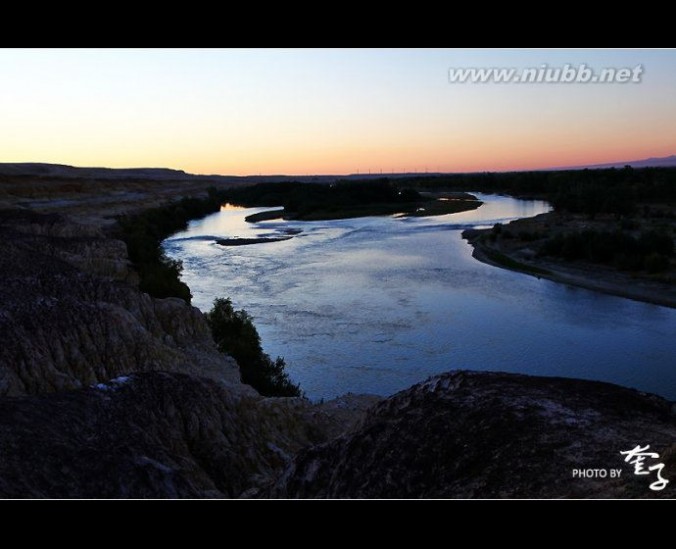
pixel 248 241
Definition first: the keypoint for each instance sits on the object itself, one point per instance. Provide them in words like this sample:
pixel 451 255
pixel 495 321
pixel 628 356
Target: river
pixel 376 304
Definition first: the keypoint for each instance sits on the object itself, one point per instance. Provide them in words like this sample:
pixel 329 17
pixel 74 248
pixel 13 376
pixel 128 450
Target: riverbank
pixel 520 254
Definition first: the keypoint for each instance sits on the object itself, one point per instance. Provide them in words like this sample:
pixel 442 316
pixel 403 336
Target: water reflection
pixel 377 304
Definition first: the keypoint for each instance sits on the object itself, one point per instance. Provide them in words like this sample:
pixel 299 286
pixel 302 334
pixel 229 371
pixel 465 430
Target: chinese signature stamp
pixel 637 457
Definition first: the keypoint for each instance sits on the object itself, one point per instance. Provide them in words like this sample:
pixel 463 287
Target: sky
pixel 288 111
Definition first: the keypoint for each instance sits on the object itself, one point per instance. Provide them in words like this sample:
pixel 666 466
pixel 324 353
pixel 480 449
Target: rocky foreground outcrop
pixel 459 435
pixel 493 435
pixel 107 392
pixel 151 435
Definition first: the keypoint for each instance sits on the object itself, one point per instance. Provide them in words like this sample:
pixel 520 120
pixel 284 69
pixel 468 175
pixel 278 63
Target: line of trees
pixel 589 191
pixel 302 198
pixel 650 251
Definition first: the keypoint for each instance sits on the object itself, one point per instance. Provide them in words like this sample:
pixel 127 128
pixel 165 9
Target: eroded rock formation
pixel 71 316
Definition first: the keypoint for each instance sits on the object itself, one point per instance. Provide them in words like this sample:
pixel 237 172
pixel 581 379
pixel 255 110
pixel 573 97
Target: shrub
pixel 626 224
pixel 529 236
pixel 143 234
pixel 650 251
pixel 656 263
pixel 235 334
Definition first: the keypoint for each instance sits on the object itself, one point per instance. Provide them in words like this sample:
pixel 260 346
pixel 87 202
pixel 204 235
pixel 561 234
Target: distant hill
pixel 665 161
pixel 71 172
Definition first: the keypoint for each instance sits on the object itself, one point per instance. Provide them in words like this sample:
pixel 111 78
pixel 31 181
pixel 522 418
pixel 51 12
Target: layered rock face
pixel 71 317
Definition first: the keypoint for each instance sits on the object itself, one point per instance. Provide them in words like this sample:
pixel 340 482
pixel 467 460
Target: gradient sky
pixel 327 111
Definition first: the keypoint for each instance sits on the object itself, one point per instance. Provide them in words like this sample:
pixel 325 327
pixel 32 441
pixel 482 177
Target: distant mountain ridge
pixel 653 162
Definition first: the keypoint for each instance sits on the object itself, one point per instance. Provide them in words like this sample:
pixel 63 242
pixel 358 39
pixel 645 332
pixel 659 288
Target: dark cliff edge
pixel 108 392
pixel 493 435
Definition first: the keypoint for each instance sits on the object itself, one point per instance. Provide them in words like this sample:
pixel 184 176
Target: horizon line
pixel 358 173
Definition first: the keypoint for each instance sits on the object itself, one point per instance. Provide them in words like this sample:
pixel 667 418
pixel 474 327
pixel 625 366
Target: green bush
pixel 163 279
pixel 235 334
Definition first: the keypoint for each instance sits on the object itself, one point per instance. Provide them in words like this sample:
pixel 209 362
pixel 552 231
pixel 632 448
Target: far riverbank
pixel 520 255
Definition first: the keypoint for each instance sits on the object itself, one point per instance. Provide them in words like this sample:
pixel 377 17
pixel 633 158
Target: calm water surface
pixel 374 305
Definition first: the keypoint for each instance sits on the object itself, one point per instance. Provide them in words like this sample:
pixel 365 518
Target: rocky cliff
pixel 107 392
pixel 70 315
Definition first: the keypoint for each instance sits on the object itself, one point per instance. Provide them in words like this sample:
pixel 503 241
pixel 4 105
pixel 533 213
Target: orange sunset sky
pixel 328 111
